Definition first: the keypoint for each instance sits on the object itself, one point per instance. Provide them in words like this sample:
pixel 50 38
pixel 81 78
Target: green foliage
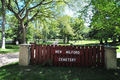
pixel 10 48
pixel 105 20
pixel 47 61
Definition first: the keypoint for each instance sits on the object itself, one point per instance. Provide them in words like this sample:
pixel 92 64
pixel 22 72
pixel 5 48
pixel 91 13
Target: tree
pixel 37 8
pixel 66 29
pixel 3 24
pixel 105 19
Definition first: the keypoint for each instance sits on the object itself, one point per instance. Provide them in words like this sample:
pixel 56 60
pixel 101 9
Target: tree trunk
pixel 119 39
pixel 24 33
pixel 105 41
pixel 67 39
pixel 114 40
pixel 64 39
pixel 3 24
pixel 101 41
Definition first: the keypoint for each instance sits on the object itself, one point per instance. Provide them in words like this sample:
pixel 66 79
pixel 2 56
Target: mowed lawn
pixel 90 43
pixel 38 72
pixel 9 48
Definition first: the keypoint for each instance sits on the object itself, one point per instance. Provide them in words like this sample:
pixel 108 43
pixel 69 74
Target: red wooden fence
pixel 68 56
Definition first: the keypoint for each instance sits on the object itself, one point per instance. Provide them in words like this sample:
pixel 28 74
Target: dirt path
pixel 8 58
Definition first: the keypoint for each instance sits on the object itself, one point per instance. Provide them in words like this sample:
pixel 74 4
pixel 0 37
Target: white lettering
pixel 59 59
pixel 67 59
pixel 72 52
pixel 58 51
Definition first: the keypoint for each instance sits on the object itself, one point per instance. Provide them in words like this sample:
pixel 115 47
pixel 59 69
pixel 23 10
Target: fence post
pixel 110 58
pixel 24 54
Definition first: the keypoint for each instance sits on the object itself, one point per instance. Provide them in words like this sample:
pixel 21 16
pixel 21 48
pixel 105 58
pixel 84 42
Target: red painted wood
pixel 36 55
pixel 86 56
pixel 94 56
pixel 55 55
pixel 63 55
pixel 59 55
pixel 44 53
pixel 40 54
pixel 74 55
pixel 79 57
pixel 98 55
pixel 48 52
pixel 102 56
pixel 32 54
pixel 67 56
pixel 71 57
pixel 90 56
pixel 83 61
pixel 52 54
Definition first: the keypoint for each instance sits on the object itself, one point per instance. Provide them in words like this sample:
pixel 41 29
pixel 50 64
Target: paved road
pixel 7 42
pixel 8 58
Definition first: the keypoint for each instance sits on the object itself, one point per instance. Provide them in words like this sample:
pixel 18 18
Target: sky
pixel 71 13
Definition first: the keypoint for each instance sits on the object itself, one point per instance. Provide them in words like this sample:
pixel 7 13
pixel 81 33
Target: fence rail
pixel 68 56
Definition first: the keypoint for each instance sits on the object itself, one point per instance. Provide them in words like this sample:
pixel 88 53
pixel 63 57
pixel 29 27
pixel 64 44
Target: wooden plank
pixel 67 56
pixel 79 57
pixel 40 54
pixel 63 56
pixel 48 52
pixel 102 56
pixel 55 55
pixel 90 56
pixel 71 57
pixel 98 56
pixel 32 54
pixel 83 62
pixel 59 55
pixel 52 55
pixel 86 56
pixel 94 56
pixel 36 55
pixel 74 56
pixel 44 53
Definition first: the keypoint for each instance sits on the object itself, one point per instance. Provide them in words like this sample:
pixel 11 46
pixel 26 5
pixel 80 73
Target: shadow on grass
pixel 9 48
pixel 37 72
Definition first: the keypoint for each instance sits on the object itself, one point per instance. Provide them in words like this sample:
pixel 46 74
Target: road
pixel 7 42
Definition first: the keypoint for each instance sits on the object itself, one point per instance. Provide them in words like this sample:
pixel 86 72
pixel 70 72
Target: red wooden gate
pixel 68 56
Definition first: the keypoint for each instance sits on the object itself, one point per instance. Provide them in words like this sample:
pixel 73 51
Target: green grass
pixel 90 43
pixel 9 48
pixel 47 43
pixel 37 72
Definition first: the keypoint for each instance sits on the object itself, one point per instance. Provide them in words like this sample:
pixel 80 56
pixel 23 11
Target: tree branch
pixel 23 9
pixel 33 17
pixel 36 5
pixel 17 4
pixel 11 9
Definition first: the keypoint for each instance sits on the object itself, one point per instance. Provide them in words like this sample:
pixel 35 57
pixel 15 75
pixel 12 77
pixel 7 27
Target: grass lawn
pixel 9 48
pixel 37 72
pixel 47 43
pixel 89 43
